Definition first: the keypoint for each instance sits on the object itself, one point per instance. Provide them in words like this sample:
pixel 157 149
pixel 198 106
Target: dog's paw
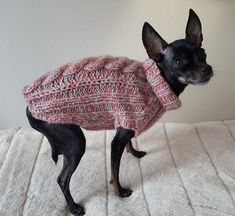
pixel 140 154
pixel 77 210
pixel 124 192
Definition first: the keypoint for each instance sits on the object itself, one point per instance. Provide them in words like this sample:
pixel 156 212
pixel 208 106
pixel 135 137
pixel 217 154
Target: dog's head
pixel 183 60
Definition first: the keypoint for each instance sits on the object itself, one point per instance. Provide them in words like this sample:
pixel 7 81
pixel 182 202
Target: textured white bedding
pixel 189 170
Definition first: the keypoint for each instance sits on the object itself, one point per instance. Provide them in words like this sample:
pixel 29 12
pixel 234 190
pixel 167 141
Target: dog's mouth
pixel 201 81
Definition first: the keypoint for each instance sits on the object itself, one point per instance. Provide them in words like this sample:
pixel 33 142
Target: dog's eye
pixel 180 61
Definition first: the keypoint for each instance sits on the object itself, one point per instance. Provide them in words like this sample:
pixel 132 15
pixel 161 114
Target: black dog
pixel 181 63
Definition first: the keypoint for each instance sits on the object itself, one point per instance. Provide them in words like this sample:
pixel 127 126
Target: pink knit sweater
pixel 102 93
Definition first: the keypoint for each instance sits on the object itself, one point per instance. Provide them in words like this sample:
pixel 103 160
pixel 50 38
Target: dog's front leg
pixel 122 138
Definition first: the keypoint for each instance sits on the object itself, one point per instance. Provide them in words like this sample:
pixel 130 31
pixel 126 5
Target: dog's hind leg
pixel 70 141
pixel 72 145
pixel 138 154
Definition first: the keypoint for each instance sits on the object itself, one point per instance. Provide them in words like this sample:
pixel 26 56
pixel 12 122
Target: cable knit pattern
pixel 102 93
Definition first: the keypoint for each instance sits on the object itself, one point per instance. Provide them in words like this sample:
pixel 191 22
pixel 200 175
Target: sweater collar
pixel 161 88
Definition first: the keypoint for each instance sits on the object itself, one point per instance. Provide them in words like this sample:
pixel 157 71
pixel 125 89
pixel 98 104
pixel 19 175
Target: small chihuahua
pixel 179 63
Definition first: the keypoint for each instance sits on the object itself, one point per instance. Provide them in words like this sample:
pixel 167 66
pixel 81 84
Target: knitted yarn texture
pixel 100 93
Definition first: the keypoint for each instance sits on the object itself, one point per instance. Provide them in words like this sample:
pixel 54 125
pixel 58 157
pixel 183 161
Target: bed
pixel 189 169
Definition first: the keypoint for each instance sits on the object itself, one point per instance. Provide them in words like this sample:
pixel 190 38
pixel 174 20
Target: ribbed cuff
pixel 166 96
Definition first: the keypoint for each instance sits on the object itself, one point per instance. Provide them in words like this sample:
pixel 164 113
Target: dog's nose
pixel 207 70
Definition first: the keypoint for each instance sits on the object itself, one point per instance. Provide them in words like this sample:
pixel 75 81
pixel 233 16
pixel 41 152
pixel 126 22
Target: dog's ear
pixel 153 42
pixel 194 28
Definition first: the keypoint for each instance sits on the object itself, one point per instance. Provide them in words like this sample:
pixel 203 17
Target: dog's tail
pixel 40 126
pixel 35 123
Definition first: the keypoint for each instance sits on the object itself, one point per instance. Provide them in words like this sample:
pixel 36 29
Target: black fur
pixel 181 62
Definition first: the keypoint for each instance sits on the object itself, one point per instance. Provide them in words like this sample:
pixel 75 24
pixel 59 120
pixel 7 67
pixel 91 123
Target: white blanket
pixel 189 170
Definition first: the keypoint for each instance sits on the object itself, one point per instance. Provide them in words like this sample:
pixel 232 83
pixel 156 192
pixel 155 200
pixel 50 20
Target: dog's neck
pixel 173 82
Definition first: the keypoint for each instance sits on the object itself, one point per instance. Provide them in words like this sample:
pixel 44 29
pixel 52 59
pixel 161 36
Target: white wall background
pixel 36 36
